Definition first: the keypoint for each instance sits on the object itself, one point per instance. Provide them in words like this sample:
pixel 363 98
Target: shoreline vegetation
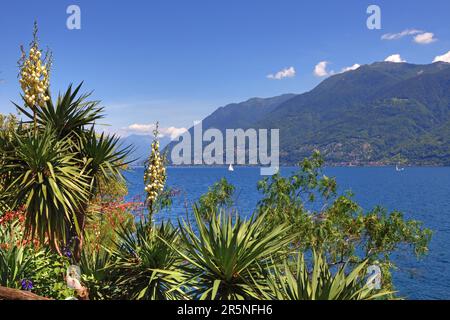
pixel 67 233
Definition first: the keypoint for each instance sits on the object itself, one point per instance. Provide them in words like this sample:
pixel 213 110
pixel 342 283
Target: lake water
pixel 421 193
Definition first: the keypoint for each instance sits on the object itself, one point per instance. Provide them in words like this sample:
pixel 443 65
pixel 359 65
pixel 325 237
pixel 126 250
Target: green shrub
pixel 226 255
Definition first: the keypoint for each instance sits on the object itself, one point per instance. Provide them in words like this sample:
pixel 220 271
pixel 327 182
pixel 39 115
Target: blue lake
pixel 421 193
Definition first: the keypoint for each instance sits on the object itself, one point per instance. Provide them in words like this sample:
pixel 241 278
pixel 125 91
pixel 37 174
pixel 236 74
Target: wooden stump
pixel 14 294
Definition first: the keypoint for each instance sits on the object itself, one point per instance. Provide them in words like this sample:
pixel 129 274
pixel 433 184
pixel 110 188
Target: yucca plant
pixel 144 264
pixel 225 253
pixel 95 274
pixel 293 280
pixel 50 182
pixel 58 167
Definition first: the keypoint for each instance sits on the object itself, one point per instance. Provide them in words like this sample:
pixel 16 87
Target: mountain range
pixel 141 147
pixel 382 113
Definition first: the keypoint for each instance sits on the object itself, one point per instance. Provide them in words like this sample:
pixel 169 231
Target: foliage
pixel 106 214
pixel 295 281
pixel 218 196
pixel 334 224
pixel 103 159
pixel 95 276
pixel 58 170
pixel 144 264
pixel 8 127
pixel 49 276
pixel 103 222
pixel 70 115
pixel 285 198
pixel 25 265
pixel 226 256
pixel 16 260
pixel 48 180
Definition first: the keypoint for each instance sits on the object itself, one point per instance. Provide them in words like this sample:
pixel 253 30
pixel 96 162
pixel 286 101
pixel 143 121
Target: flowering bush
pixel 101 228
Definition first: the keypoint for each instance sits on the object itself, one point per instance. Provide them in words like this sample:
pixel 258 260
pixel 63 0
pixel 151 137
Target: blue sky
pixel 177 61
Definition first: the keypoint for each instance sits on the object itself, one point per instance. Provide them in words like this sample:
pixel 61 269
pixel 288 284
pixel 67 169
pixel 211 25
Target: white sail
pixel 230 168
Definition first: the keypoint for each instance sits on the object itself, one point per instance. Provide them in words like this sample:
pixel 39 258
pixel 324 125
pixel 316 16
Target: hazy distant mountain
pixel 380 113
pixel 141 146
pixel 240 115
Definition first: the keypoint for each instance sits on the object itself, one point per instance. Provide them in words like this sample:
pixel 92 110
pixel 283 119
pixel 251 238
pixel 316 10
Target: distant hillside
pixel 378 114
pixel 141 147
pixel 245 114
pixel 382 112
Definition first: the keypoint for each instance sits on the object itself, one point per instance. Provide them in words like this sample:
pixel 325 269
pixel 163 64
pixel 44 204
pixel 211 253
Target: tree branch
pixel 14 294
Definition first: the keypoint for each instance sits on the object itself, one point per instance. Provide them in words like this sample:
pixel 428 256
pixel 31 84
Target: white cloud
pixel 425 38
pixel 351 68
pixel 395 58
pixel 285 73
pixel 320 70
pixel 444 58
pixel 397 36
pixel 419 36
pixel 141 127
pixel 171 132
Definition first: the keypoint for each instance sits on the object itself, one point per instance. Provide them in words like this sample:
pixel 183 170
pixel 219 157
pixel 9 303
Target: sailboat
pixel 230 168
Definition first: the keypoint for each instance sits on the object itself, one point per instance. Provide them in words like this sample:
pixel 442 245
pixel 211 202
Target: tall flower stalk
pixel 155 174
pixel 34 76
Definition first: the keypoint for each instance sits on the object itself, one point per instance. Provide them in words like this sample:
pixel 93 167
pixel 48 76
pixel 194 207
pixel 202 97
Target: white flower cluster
pixel 34 78
pixel 155 175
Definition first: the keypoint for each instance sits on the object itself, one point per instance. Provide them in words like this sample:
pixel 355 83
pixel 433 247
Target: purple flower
pixel 67 252
pixel 27 285
pixel 74 238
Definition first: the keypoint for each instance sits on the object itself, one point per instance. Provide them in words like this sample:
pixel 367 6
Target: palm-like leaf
pixel 95 276
pixel 226 253
pixel 294 281
pixel 145 265
pixel 48 179
pixel 102 156
pixel 71 114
